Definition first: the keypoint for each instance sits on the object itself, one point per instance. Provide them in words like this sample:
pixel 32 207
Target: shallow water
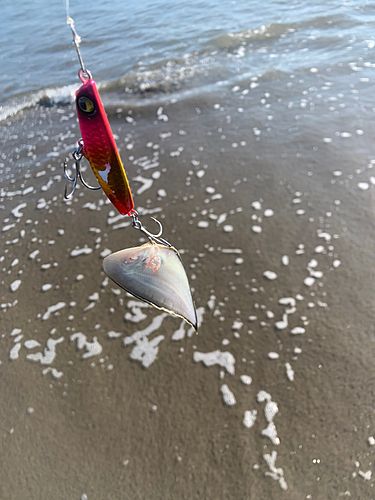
pixel 264 181
pixel 148 48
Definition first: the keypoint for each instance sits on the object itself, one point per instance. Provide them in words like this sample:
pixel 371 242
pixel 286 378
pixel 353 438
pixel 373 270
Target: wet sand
pixel 237 193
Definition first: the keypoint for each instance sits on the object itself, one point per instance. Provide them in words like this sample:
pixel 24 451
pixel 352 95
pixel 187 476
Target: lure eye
pixel 86 104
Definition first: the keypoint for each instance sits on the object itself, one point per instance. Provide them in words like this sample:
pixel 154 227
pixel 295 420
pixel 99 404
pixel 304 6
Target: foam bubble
pixel 270 275
pixel 309 281
pixel 298 330
pixel 246 379
pixel 228 396
pixel 14 351
pixel 285 260
pixel 224 359
pixel 15 285
pixel 273 355
pixel 289 371
pixel 249 418
pixel 53 309
pixel 81 251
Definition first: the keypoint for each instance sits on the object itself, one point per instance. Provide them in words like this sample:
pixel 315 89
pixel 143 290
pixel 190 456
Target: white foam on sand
pixel 136 315
pixel 55 373
pixel 146 183
pixel 237 325
pixel 15 285
pixel 273 355
pixel 15 331
pixel 232 250
pixel 179 334
pixel 31 344
pixel 222 218
pixel 246 379
pixel 223 359
pixel 270 411
pixel 146 350
pixel 282 324
pixel 80 251
pixel 17 210
pixel 287 301
pixel 298 330
pixel 14 351
pixel 113 335
pixel 34 254
pixel 92 348
pixel 53 309
pixel 8 227
pixel 276 472
pixel 289 371
pixel 152 327
pixel 270 275
pixel 249 418
pixel 49 354
pixel 309 281
pixel 366 475
pixel 203 224
pixel 285 260
pixel 228 396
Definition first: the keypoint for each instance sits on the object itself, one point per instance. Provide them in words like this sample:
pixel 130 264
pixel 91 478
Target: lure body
pixel 99 147
pixel 154 273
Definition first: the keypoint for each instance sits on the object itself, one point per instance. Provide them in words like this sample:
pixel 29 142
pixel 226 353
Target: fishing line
pixel 76 39
pixel 67 8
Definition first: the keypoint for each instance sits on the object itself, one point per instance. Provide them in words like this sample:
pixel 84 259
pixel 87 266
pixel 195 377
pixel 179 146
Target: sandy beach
pixel 104 397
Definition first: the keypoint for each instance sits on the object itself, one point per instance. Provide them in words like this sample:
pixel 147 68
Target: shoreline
pixel 103 424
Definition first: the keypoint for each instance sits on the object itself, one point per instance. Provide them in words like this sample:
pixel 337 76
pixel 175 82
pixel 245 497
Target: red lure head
pixel 88 103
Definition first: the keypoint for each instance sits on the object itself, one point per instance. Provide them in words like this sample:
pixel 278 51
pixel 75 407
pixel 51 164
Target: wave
pixel 218 61
pixel 268 32
pixel 44 97
pixel 164 77
pixel 263 32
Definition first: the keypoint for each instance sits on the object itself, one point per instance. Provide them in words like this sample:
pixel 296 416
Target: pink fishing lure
pixel 153 272
pixel 99 146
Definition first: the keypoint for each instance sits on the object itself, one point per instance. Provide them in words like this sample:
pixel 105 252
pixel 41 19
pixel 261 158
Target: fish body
pixel 155 274
pixel 99 147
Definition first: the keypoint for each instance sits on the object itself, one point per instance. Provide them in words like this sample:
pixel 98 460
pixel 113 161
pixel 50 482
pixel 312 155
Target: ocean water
pixel 139 49
pixel 247 129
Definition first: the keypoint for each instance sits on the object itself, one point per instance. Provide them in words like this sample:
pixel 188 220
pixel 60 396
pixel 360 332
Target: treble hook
pixel 154 238
pixel 77 156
